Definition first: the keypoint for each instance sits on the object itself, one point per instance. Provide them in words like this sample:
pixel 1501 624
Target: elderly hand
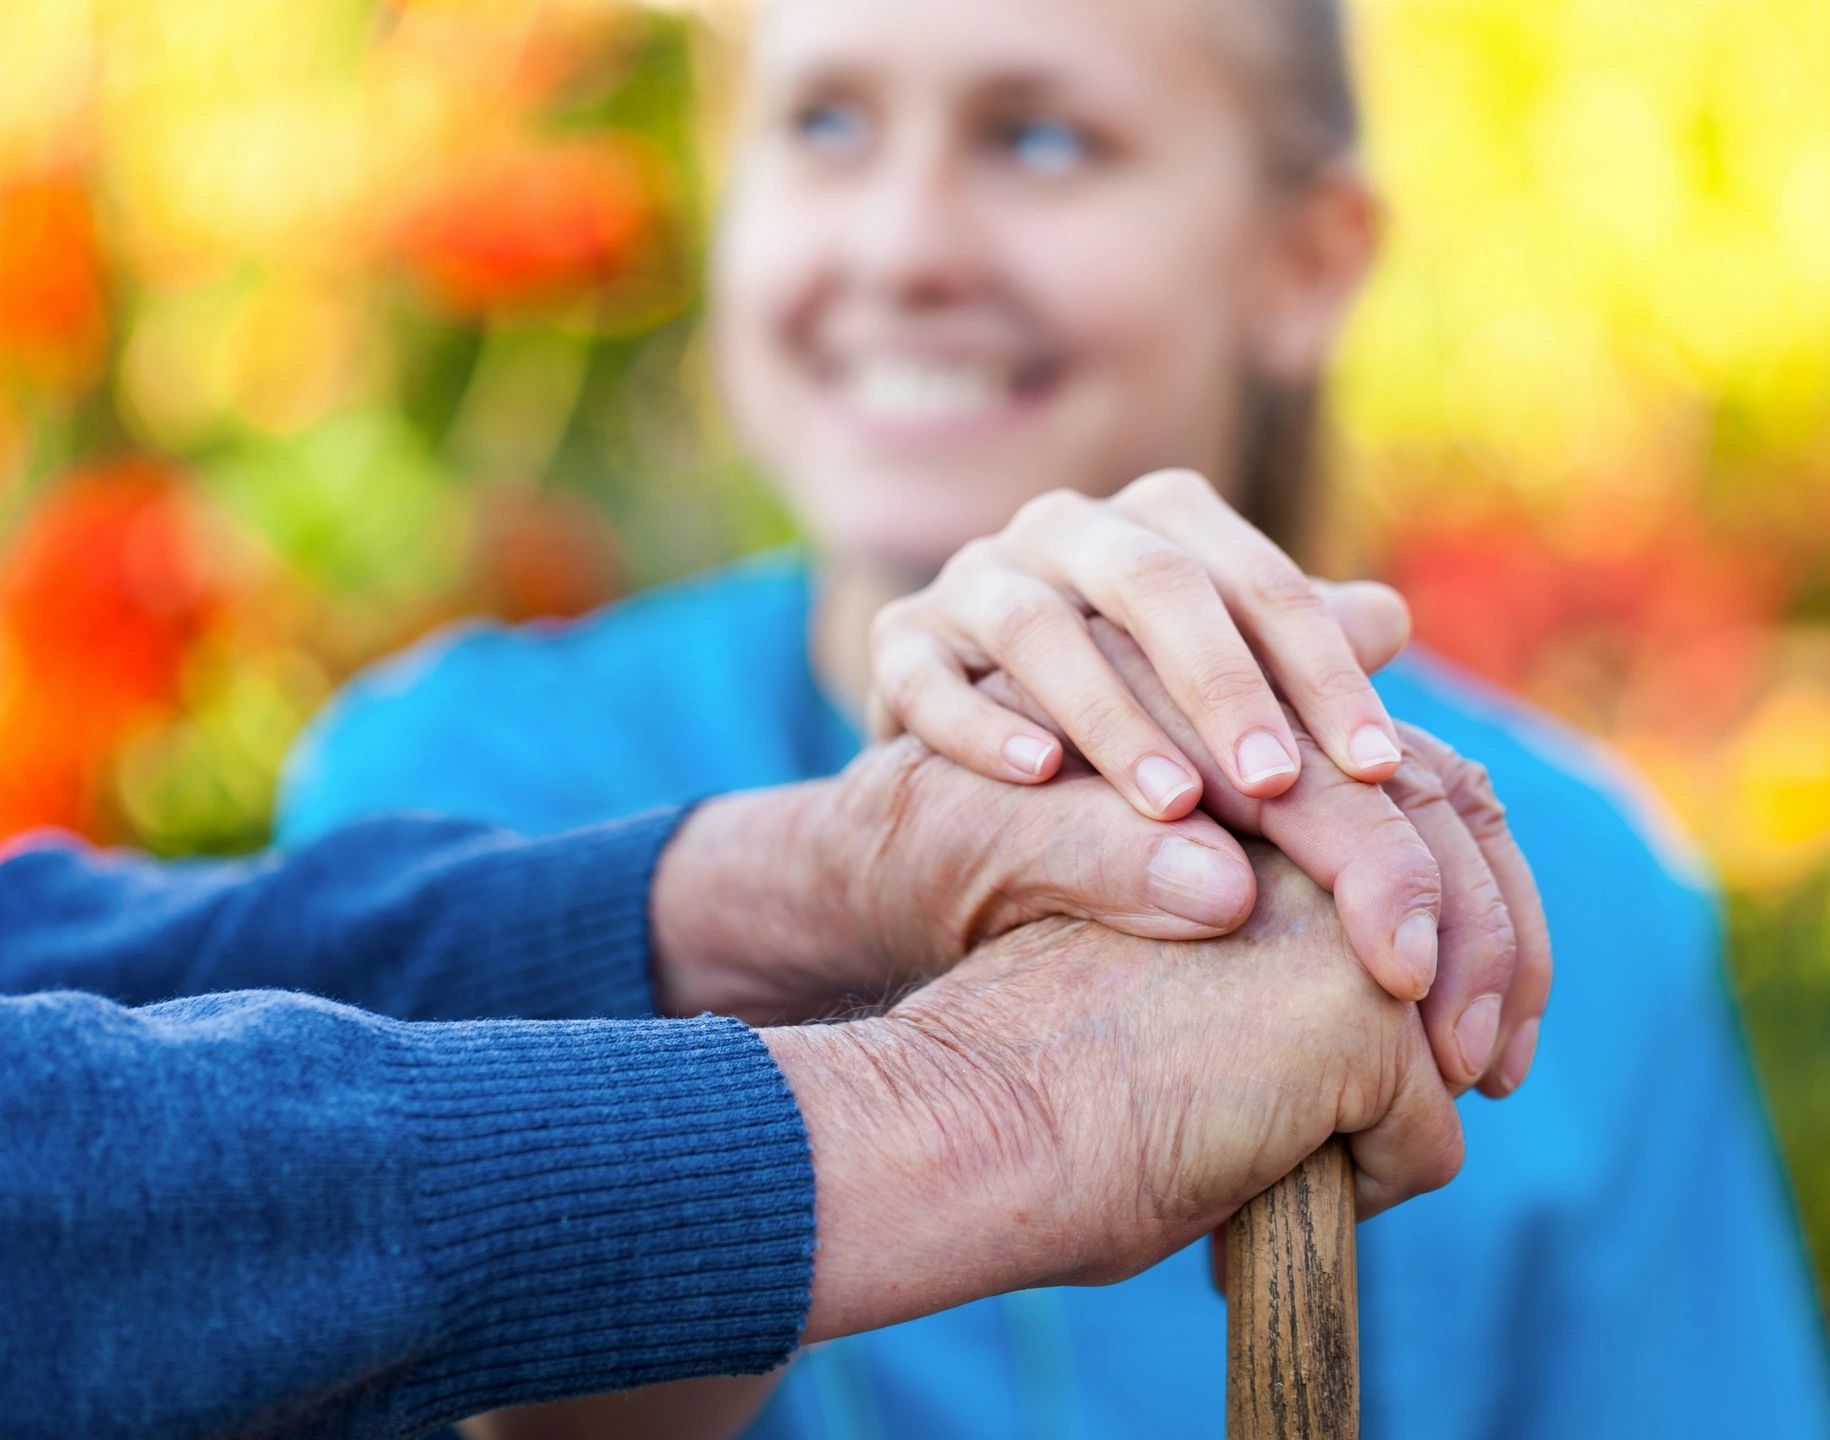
pixel 1433 890
pixel 783 904
pixel 1070 1105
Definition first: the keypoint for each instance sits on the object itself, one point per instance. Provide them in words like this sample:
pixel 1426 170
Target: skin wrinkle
pixel 966 921
pixel 1050 1065
pixel 986 1119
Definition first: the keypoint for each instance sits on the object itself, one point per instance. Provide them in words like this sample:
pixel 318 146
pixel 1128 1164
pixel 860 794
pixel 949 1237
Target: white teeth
pixel 901 389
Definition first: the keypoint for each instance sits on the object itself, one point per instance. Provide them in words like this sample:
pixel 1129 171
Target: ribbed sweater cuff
pixel 561 923
pixel 603 1205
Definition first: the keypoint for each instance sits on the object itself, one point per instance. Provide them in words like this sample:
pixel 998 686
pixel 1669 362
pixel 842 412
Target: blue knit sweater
pixel 266 1212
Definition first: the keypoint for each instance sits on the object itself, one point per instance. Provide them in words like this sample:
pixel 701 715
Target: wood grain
pixel 1293 1326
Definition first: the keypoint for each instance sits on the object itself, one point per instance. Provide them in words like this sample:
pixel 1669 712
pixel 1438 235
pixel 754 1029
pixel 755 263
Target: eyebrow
pixel 1011 83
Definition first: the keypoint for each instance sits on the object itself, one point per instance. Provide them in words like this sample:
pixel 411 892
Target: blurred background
pixel 322 324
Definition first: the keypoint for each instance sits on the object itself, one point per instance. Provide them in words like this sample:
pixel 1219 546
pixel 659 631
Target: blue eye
pixel 1049 147
pixel 829 127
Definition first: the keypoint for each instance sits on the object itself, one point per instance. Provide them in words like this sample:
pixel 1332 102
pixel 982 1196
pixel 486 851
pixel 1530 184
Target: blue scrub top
pixel 1618 1258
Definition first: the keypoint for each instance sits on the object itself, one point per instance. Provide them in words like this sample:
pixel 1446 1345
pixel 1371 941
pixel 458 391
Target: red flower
pixel 538 223
pixel 102 594
pixel 1666 620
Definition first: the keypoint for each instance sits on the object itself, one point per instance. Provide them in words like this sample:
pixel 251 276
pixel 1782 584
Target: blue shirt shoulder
pixel 690 689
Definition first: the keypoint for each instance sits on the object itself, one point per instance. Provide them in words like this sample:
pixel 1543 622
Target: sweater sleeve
pixel 249 1214
pixel 416 917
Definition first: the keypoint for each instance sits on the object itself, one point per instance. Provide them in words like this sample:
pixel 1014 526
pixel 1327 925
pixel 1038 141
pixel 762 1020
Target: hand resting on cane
pixel 1431 841
pixel 1069 1105
pixel 1427 851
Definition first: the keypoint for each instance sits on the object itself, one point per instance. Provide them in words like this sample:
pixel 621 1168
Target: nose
pixel 915 238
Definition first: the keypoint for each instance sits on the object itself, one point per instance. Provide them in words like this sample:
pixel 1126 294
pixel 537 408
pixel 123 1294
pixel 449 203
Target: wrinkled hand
pixel 784 904
pixel 1431 886
pixel 1070 1105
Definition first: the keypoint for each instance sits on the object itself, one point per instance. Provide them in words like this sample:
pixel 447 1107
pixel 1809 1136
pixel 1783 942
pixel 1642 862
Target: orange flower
pixel 538 223
pixel 53 321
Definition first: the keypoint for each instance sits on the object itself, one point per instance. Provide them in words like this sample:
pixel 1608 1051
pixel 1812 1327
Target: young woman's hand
pixel 1221 612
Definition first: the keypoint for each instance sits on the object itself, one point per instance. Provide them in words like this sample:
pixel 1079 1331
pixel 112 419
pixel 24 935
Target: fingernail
pixel 1027 753
pixel 1194 882
pixel 1372 747
pixel 1415 946
pixel 1163 781
pixel 1262 756
pixel 1515 1060
pixel 1476 1031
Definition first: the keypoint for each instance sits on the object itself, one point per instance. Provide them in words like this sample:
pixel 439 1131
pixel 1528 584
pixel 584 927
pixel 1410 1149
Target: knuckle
pixel 1397 862
pixel 973 558
pixel 1339 682
pixel 1048 511
pixel 892 621
pixel 1163 572
pixel 1470 787
pixel 1175 486
pixel 1028 621
pixel 1282 589
pixel 1415 785
pixel 1420 743
pixel 905 690
pixel 1225 687
pixel 1412 869
pixel 1492 924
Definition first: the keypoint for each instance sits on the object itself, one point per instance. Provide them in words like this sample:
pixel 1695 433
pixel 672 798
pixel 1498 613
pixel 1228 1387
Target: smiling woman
pixel 972 253
pixel 932 267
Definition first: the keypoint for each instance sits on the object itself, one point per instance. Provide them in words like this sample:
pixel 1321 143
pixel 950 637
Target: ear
pixel 1325 241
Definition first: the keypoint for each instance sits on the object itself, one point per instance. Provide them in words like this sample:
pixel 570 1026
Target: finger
pixel 1031 630
pixel 1281 612
pixel 1165 598
pixel 1095 858
pixel 1350 838
pixel 923 688
pixel 1416 1145
pixel 1373 617
pixel 1471 793
pixel 1477 947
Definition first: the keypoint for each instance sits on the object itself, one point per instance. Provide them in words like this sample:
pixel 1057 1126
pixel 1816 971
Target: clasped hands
pixel 1121 1029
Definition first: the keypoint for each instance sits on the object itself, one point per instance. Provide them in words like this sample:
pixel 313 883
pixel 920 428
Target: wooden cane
pixel 1293 1327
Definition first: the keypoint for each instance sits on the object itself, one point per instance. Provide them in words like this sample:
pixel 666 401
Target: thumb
pixel 1098 859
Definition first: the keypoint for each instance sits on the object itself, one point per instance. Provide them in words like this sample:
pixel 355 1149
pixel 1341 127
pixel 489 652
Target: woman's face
pixel 973 250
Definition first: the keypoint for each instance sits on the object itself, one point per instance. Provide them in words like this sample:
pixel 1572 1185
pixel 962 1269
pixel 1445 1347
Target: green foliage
pixel 1779 948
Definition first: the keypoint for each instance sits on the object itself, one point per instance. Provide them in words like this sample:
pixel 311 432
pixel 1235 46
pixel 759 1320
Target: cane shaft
pixel 1293 1329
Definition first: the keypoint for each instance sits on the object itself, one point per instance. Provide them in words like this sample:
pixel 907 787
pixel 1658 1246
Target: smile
pixel 901 390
